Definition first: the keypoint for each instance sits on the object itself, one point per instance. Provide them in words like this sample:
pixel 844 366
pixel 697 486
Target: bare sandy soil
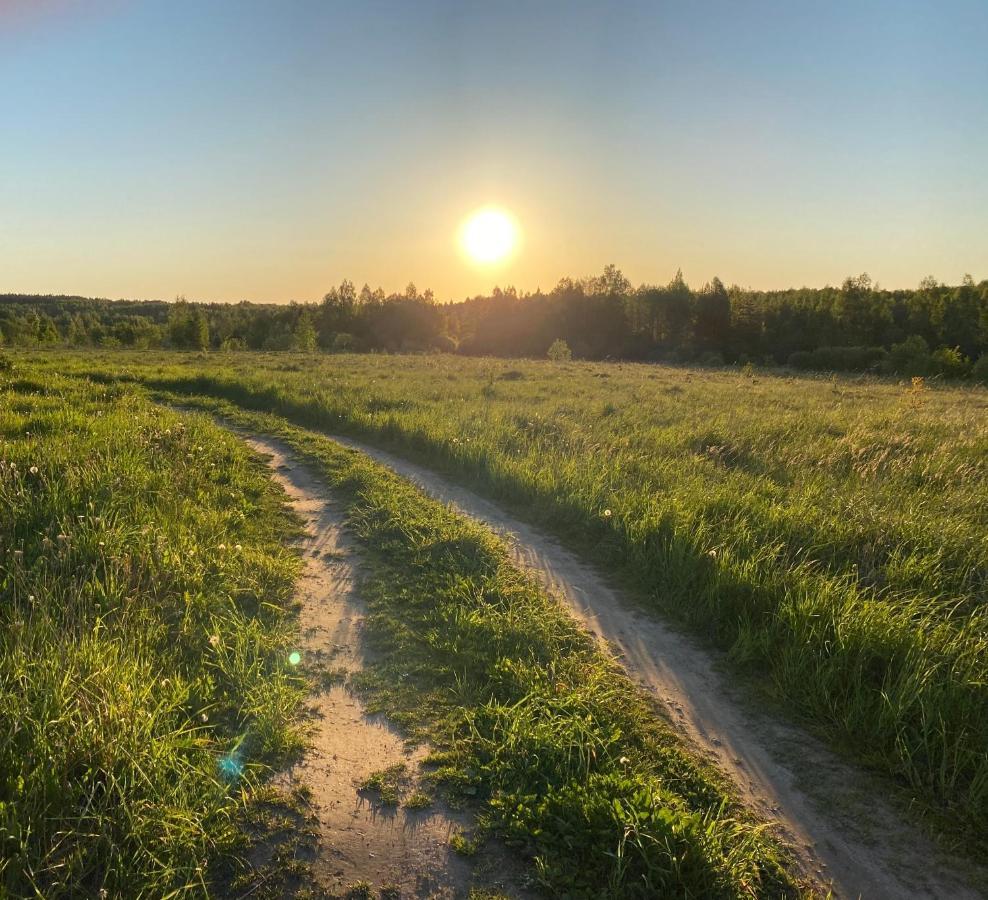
pixel 845 835
pixel 360 839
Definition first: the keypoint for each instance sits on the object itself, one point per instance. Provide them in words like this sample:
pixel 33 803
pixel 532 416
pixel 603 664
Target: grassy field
pixel 144 676
pixel 146 685
pixel 526 717
pixel 832 535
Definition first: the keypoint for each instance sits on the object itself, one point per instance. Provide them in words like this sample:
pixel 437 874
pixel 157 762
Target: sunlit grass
pixel 566 759
pixel 831 534
pixel 143 639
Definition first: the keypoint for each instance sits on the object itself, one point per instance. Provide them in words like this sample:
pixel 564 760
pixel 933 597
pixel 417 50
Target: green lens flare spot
pixel 295 658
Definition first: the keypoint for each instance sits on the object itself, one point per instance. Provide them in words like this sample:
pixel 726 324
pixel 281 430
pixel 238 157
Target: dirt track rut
pixel 358 839
pixel 845 835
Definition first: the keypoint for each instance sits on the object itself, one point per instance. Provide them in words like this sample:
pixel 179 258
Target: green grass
pixel 388 784
pixel 529 721
pixel 144 583
pixel 831 535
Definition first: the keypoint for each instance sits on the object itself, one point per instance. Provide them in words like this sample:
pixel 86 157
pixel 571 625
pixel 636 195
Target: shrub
pixel 444 343
pixel 979 371
pixel 910 357
pixel 559 351
pixel 950 362
pixel 838 359
pixel 342 342
pixel 711 358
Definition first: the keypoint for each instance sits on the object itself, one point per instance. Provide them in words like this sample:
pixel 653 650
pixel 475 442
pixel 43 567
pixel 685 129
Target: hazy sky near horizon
pixel 240 149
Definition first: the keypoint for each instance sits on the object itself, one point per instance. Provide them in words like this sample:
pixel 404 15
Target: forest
pixel 934 329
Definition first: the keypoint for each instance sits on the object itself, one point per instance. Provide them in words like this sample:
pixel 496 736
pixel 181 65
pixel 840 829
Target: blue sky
pixel 238 149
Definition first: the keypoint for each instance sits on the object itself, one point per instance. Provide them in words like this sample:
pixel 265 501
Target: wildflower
pixel 203 717
pixel 33 470
pixel 221 547
pixel 607 513
pixel 165 682
pixel 712 554
pixel 238 547
pixel 624 760
pixel 214 640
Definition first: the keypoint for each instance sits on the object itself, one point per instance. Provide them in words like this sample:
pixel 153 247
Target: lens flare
pixel 230 766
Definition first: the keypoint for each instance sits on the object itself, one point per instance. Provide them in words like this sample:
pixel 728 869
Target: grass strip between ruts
pixel 565 757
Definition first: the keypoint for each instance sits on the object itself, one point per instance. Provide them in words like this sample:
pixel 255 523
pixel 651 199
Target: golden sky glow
pixel 230 151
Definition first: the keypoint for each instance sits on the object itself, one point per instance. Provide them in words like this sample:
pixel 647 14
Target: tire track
pixel 846 836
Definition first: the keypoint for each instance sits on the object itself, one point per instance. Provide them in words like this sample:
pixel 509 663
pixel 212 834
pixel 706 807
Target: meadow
pixel 830 534
pixel 145 681
pixel 528 722
pixel 148 688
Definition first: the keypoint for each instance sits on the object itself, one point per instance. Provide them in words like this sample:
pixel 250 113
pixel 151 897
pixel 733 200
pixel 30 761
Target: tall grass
pixel 143 673
pixel 567 758
pixel 831 535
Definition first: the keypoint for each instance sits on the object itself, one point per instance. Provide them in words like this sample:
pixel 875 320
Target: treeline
pixel 932 329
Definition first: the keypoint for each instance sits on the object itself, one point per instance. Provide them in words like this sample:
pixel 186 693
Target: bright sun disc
pixel 489 235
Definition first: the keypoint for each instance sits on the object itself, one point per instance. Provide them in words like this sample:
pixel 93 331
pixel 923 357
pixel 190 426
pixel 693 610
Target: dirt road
pixel 844 833
pixel 360 839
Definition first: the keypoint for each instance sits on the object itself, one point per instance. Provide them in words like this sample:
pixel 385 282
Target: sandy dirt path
pixel 359 840
pixel 845 835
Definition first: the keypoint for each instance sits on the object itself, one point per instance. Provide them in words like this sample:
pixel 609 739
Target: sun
pixel 489 235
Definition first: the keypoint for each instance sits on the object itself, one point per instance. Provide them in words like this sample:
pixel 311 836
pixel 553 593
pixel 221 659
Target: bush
pixel 979 371
pixel 950 362
pixel 444 343
pixel 342 342
pixel 838 359
pixel 559 351
pixel 910 357
pixel 711 359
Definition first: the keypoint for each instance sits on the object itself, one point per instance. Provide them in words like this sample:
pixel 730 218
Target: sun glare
pixel 489 235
